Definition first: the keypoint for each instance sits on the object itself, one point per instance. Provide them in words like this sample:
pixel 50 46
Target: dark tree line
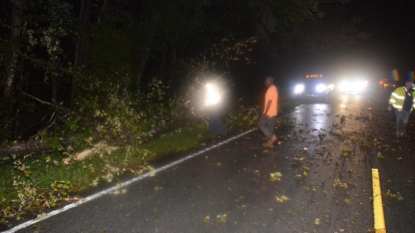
pixel 60 57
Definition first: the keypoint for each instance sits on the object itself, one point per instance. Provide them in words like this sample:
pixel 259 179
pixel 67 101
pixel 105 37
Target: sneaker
pixel 270 142
pixel 267 146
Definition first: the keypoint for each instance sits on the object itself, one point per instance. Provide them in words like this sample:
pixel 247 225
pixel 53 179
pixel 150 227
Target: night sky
pixel 391 45
pixel 392 41
pixel 392 24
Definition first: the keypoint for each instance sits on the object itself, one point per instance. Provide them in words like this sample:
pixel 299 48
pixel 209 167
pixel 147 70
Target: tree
pixel 13 48
pixel 33 53
pixel 82 42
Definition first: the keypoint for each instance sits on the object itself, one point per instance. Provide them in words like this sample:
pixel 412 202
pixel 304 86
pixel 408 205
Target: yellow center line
pixel 379 218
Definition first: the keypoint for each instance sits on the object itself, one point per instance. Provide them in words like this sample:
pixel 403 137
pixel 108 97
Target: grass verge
pixel 42 182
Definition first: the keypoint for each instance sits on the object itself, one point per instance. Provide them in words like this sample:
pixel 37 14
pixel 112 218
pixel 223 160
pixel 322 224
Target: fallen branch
pixel 30 146
pixel 47 103
pixel 24 148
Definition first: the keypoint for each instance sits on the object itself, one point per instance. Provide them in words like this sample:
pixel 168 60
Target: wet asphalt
pixel 316 178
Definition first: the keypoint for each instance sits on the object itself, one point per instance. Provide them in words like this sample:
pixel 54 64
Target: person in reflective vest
pixel 402 100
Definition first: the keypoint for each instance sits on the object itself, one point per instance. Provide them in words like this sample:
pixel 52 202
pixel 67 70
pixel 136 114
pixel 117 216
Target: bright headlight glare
pixel 299 89
pixel 355 86
pixel 360 86
pixel 345 86
pixel 212 95
pixel 321 87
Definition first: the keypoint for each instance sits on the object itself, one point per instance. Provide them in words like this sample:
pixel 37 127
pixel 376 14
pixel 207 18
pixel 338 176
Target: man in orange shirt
pixel 267 121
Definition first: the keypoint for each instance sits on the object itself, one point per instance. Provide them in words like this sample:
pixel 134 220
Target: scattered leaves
pixel 206 219
pixel 221 218
pixel 282 198
pixel 396 196
pixel 338 183
pixel 275 177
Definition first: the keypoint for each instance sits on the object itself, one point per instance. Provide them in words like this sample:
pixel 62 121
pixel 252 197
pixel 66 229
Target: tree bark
pixel 145 53
pixel 146 44
pixel 24 148
pixel 13 57
pixel 54 90
pixel 173 56
pixel 100 19
pixel 82 43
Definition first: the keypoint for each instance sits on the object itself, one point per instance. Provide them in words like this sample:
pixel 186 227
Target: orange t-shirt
pixel 272 94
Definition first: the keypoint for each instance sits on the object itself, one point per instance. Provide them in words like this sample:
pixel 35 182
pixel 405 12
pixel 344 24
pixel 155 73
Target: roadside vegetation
pixel 40 182
pixel 95 92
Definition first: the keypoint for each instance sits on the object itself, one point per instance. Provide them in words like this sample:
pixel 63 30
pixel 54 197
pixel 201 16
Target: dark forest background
pixel 123 68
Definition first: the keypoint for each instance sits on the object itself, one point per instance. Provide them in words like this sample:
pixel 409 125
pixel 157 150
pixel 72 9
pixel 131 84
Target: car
pixel 313 85
pixel 386 83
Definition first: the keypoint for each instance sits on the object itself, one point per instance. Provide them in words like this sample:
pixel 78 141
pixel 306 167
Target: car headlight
pixel 363 85
pixel 344 86
pixel 355 86
pixel 321 87
pixel 299 89
pixel 360 86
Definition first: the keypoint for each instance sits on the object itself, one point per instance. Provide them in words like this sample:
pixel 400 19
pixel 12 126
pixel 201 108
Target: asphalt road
pixel 321 181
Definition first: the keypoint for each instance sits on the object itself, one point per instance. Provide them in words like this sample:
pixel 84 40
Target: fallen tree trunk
pixel 31 146
pixel 25 148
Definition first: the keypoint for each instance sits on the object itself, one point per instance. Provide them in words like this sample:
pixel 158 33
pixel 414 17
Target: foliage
pixel 115 114
pixel 5 128
pixel 242 118
pixel 33 183
pixel 210 65
pixel 124 117
pixel 110 62
pixel 176 22
pixel 207 36
pixel 27 194
pixel 284 25
pixel 324 33
pixel 32 38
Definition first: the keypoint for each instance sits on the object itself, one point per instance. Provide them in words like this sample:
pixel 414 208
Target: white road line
pixel 99 194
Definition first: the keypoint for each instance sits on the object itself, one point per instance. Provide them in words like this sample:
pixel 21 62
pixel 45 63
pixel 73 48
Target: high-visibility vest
pixel 397 98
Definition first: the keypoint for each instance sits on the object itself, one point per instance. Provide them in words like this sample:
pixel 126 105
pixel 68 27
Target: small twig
pixel 53 114
pixel 48 126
